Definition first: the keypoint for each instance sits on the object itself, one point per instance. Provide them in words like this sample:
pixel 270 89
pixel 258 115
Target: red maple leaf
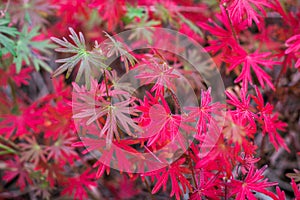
pixel 18 124
pixel 119 156
pixel 205 112
pixel 221 157
pixel 246 161
pixel 295 189
pixel 240 10
pixel 19 79
pixel 176 171
pixel 207 186
pixel 70 12
pixel 57 120
pixel 244 110
pixel 252 61
pixel 160 125
pixel 110 10
pixel 254 181
pixel 280 194
pixel 270 122
pixel 78 185
pixel 293 45
pixel 17 169
pixel 224 36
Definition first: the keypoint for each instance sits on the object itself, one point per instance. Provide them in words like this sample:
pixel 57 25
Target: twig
pixel 9 143
pixel 175 9
pixel 281 73
pixel 230 22
pixel 149 189
pixel 106 85
pixel 225 189
pixel 192 169
pixel 13 90
pixel 6 7
pixel 3 12
pixel 262 146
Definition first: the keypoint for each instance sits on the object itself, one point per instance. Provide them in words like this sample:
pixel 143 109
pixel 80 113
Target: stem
pixel 280 74
pixel 192 169
pixel 230 22
pixel 225 198
pixel 282 70
pixel 6 7
pixel 262 146
pixel 189 9
pixel 176 102
pixel 149 189
pixel 106 85
pixel 13 90
pixel 10 143
pixel 3 12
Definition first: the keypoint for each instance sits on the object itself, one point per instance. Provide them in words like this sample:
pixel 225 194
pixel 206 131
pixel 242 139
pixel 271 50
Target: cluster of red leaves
pixel 42 155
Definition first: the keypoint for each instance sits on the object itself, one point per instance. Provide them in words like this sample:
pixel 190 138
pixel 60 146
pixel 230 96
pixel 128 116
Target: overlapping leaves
pixel 88 61
pixel 5 33
pixel 30 51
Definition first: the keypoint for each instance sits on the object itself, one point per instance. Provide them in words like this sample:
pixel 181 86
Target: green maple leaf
pixel 88 61
pixel 5 34
pixel 31 51
pixel 133 12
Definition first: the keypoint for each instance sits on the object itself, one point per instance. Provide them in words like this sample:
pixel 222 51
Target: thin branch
pixel 3 12
pixel 149 188
pixel 192 169
pixel 106 85
pixel 7 6
pixel 10 143
pixel 13 91
pixel 262 146
pixel 230 22
pixel 190 9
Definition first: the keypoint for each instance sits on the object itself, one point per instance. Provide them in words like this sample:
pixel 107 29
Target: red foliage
pixel 55 141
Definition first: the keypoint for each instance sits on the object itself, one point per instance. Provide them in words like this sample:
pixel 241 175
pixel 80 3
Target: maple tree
pixel 80 102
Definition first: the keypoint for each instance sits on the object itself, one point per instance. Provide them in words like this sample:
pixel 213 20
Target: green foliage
pixel 88 61
pixel 29 50
pixel 5 33
pixel 133 12
pixel 4 149
pixel 163 13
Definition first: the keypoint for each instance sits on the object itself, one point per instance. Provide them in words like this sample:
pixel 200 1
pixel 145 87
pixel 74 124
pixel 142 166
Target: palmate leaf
pixel 88 61
pixel 133 12
pixel 117 117
pixel 116 48
pixel 30 51
pixel 32 12
pixel 142 28
pixel 5 33
pixel 176 174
